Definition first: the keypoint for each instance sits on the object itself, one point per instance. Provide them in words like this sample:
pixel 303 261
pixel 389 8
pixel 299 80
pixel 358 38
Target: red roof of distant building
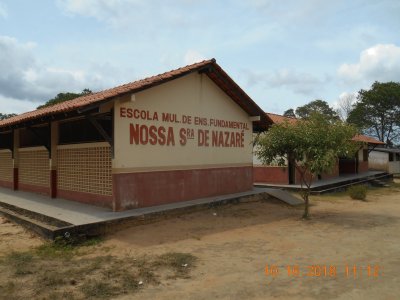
pixel 277 119
pixel 367 139
pixel 209 67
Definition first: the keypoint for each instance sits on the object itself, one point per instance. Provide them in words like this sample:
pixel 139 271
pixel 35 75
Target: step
pixel 34 215
pixel 32 224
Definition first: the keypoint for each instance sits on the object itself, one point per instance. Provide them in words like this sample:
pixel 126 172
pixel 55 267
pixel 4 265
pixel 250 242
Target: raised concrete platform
pixel 58 217
pixel 284 196
pixel 333 184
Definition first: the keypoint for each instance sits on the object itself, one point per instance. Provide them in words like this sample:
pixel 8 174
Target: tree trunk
pixel 306 214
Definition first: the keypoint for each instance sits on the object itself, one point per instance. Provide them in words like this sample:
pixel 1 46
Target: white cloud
pixel 350 97
pixel 24 78
pixel 3 11
pixel 120 13
pixel 297 82
pixel 104 10
pixel 193 56
pixel 12 105
pixel 378 63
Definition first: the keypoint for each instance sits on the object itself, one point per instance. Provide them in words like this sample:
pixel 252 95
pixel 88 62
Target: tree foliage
pixel 6 116
pixel 289 113
pixel 314 145
pixel 61 97
pixel 377 112
pixel 316 106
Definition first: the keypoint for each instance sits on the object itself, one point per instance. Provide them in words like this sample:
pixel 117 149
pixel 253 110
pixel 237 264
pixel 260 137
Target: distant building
pixel 274 174
pixel 385 159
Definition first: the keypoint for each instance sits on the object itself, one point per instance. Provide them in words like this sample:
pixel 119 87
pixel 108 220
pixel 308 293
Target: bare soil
pixel 350 249
pixel 15 238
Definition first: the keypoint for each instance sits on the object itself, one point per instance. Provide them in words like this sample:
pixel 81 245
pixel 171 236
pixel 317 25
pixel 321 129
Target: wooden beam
pixel 102 132
pixel 43 140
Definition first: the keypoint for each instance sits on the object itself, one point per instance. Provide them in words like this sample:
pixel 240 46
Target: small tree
pixel 6 116
pixel 289 113
pixel 61 97
pixel 316 106
pixel 377 112
pixel 345 106
pixel 314 146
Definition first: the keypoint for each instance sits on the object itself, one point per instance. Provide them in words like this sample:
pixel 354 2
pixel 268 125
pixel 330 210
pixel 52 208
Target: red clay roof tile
pixel 228 85
pixel 277 119
pixel 367 139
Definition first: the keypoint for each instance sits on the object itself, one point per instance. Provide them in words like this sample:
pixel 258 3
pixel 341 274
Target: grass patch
pixel 393 187
pixel 20 263
pixel 66 248
pixel 330 196
pixel 98 289
pixel 358 192
pixel 181 263
pixel 61 271
pixel 8 288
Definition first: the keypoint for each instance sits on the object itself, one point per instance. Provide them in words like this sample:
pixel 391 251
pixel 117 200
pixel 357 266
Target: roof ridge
pixel 154 76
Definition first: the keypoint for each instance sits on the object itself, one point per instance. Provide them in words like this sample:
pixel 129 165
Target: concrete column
pixel 53 158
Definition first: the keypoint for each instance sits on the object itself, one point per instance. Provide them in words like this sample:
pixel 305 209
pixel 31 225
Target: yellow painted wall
pixel 6 165
pixel 34 166
pixel 194 95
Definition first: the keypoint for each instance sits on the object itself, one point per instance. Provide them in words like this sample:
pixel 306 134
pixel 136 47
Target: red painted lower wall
pixel 44 190
pixel 94 199
pixel 53 183
pixel 362 166
pixel 268 174
pixel 279 175
pixel 143 189
pixel 6 184
pixel 15 179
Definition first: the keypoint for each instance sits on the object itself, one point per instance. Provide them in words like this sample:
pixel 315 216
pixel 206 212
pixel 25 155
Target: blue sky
pixel 282 53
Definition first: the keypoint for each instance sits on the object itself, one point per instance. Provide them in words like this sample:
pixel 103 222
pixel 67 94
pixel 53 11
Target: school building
pixel 177 136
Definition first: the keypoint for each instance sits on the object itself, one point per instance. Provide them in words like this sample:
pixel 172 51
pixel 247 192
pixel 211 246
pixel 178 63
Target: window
pixel 365 155
pixel 391 156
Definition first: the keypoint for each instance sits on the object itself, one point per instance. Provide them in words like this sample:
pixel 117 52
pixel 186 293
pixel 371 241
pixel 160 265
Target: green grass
pixel 20 263
pixel 358 192
pixel 181 263
pixel 98 289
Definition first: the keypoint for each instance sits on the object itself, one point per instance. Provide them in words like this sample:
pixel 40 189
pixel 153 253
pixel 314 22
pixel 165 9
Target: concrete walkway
pixel 320 184
pixel 78 213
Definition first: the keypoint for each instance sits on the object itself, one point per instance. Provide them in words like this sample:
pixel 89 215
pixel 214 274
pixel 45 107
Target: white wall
pixel 379 161
pixel 191 96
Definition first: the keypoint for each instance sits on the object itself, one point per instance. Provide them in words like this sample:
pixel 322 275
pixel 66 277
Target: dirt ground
pixel 350 249
pixel 15 238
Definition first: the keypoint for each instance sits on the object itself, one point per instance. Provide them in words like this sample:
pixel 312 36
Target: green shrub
pixel 358 192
